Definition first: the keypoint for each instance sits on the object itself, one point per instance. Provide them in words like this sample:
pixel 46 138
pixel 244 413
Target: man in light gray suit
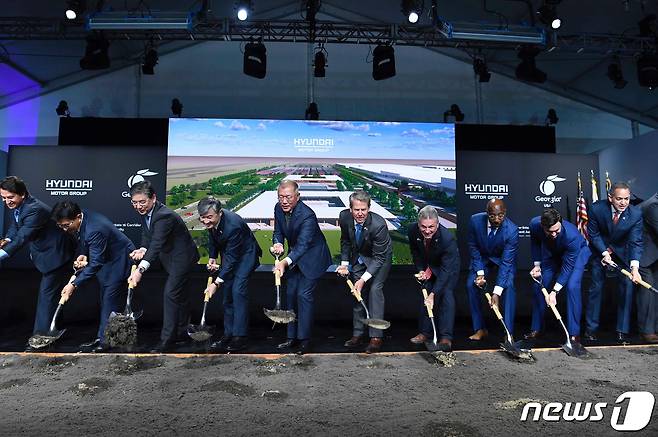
pixel 365 246
pixel 647 300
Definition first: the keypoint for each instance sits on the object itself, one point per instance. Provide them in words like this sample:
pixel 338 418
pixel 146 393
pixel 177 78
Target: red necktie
pixel 428 271
pixel 615 218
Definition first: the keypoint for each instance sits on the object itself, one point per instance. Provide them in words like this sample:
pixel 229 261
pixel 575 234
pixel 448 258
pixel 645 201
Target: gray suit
pixel 647 300
pixel 375 252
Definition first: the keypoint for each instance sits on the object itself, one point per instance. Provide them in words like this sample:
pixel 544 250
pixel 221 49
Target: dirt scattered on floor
pixel 514 404
pixel 449 429
pixel 121 331
pixel 91 386
pixel 59 363
pixel 275 395
pixel 604 383
pixel 268 367
pixel 228 386
pixel 14 383
pixel 129 366
pixel 368 362
pixel 445 359
pixel 653 351
pixel 203 362
pixel 301 362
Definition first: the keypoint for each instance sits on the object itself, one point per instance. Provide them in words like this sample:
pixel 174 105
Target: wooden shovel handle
pixel 555 311
pixel 132 270
pixel 206 298
pixel 354 292
pixel 277 278
pixel 429 310
pixel 495 307
pixel 629 275
pixel 63 299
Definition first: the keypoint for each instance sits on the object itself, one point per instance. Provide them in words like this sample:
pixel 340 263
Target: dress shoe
pixel 622 338
pixel 288 344
pixel 375 345
pixel 574 339
pixel 163 347
pixel 480 334
pixel 419 339
pixel 590 336
pixel 221 345
pixel 237 344
pixel 649 338
pixel 445 345
pixel 304 347
pixel 532 335
pixel 354 341
pixel 87 348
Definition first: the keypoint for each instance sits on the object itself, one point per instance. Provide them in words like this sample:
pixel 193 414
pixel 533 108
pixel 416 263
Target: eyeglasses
pixel 65 226
pixel 500 215
pixel 289 197
pixel 139 202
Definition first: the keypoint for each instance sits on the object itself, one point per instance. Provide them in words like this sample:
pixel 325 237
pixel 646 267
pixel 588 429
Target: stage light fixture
pixel 255 60
pixel 383 62
pixel 616 75
pixel 647 70
pixel 96 53
pixel 480 68
pixel 63 109
pixel 527 69
pixel 412 9
pixel 551 117
pixel 75 8
pixel 454 113
pixel 320 62
pixel 176 108
pixel 548 15
pixel 150 59
pixel 312 112
pixel 243 9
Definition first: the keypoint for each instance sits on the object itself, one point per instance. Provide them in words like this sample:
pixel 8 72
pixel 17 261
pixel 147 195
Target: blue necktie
pixel 357 234
pixel 491 238
pixel 16 214
pixel 148 222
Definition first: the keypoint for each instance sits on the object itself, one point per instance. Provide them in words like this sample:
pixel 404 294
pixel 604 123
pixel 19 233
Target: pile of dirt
pixel 91 386
pixel 14 383
pixel 121 331
pixel 445 359
pixel 129 366
pixel 203 362
pixel 274 395
pixel 514 404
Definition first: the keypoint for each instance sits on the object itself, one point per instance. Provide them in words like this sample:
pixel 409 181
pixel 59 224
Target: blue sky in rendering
pixel 318 139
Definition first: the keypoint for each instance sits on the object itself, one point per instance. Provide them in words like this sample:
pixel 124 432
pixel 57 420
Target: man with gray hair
pixel 436 257
pixel 230 236
pixel 366 246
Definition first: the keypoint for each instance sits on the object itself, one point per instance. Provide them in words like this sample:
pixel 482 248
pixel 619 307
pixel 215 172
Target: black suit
pixel 647 300
pixel 51 251
pixel 372 254
pixel 167 240
pixel 442 257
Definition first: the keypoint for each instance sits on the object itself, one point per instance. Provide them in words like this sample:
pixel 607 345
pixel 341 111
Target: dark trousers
pixel 373 296
pixel 444 311
pixel 50 290
pixel 113 298
pixel 299 298
pixel 572 289
pixel 624 298
pixel 476 298
pixel 647 301
pixel 236 306
pixel 176 311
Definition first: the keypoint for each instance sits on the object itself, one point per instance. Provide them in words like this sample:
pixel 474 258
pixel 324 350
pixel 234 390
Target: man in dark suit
pixel 230 236
pixel 647 300
pixel 557 248
pixel 165 238
pixel 615 233
pixel 308 259
pixel 51 250
pixel 493 242
pixel 366 246
pixel 103 252
pixel 436 257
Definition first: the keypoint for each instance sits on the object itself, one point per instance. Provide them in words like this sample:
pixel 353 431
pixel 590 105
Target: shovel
pixel 277 315
pixel 431 346
pixel 375 323
pixel 121 328
pixel 572 349
pixel 629 275
pixel 128 312
pixel 202 332
pixel 39 341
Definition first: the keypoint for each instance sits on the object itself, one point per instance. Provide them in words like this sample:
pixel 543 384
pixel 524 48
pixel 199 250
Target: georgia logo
pixel 547 187
pixel 139 176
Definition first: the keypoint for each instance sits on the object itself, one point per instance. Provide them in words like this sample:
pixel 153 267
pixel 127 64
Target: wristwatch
pixel 141 269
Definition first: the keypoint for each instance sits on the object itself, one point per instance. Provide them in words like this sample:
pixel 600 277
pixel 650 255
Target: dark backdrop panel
pixel 95 177
pixel 118 131
pixel 3 173
pixel 519 179
pixel 505 138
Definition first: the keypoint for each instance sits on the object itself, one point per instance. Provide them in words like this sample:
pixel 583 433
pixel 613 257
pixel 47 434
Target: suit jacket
pixel 168 240
pixel 564 251
pixel 106 248
pixel 625 238
pixel 307 247
pixel 236 243
pixel 502 252
pixel 50 247
pixel 375 249
pixel 442 257
pixel 649 210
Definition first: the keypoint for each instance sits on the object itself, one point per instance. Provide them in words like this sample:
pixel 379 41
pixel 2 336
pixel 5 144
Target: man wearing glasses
pixel 493 242
pixel 308 258
pixel 165 238
pixel 51 250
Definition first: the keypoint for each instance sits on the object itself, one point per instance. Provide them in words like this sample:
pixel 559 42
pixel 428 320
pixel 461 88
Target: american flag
pixel 608 182
pixel 581 211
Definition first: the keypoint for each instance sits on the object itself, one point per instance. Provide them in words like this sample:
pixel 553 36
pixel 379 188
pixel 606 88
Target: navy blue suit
pixel 240 252
pixel 625 241
pixel 498 256
pixel 442 257
pixel 565 256
pixel 107 250
pixel 308 250
pixel 51 251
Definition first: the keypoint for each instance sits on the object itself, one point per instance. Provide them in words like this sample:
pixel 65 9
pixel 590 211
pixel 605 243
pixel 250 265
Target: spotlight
pixel 63 109
pixel 647 25
pixel 255 60
pixel 647 70
pixel 243 9
pixel 480 68
pixel 176 108
pixel 312 112
pixel 320 62
pixel 547 14
pixel 527 69
pixel 150 59
pixel 75 8
pixel 96 53
pixel 412 9
pixel 615 74
pixel 383 62
pixel 453 113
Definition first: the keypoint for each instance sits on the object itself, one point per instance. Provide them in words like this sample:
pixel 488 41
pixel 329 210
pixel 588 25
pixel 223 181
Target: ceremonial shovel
pixel 277 315
pixel 128 312
pixel 121 328
pixel 375 323
pixel 629 275
pixel 432 347
pixel 572 349
pixel 202 332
